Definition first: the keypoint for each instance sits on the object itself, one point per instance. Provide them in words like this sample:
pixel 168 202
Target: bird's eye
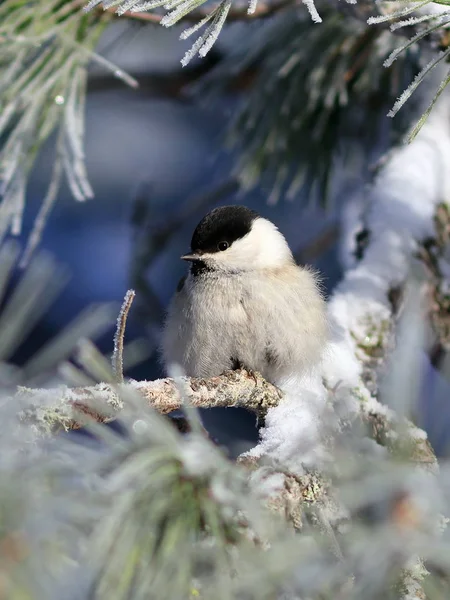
pixel 222 246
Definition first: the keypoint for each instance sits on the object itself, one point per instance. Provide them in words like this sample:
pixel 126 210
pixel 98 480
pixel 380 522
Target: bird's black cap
pixel 223 224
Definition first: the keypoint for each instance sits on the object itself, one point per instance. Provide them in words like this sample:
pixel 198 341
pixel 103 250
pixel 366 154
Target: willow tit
pixel 245 303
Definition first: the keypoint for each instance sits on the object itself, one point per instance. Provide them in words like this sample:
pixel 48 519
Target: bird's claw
pixel 237 365
pixel 253 374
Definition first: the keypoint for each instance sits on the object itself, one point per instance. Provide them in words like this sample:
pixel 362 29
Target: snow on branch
pixel 400 214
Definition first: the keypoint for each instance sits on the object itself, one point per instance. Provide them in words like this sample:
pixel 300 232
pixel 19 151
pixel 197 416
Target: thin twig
pixel 117 357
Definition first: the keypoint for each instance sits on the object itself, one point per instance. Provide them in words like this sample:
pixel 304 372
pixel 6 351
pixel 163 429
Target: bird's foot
pixel 238 365
pixel 253 375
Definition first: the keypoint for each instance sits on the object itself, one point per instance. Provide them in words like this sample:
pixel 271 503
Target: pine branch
pixel 212 19
pixel 45 49
pixel 294 136
pixel 263 10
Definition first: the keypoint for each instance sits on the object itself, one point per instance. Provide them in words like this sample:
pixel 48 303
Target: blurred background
pixel 157 163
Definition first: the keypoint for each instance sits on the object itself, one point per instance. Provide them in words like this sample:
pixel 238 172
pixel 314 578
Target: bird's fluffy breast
pixel 271 320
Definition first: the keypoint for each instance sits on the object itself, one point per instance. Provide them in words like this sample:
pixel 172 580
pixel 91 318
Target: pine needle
pixel 445 82
pixel 400 13
pixel 417 81
pixel 420 35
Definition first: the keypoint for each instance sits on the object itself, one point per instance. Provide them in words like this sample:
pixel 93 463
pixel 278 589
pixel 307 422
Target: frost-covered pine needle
pixel 189 55
pixel 43 71
pixel 171 4
pixel 104 62
pixel 74 130
pixel 205 42
pixel 440 20
pixel 445 82
pixel 147 5
pixel 418 20
pixel 417 81
pixel 397 14
pixel 188 32
pixel 252 6
pixel 182 9
pixel 125 6
pixel 312 10
pixel 117 358
pixel 91 4
pixel 219 20
pixel 420 35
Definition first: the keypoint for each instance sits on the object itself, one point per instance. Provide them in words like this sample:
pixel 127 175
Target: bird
pixel 245 303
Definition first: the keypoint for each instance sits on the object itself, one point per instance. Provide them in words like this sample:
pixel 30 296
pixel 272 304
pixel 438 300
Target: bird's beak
pixel 192 257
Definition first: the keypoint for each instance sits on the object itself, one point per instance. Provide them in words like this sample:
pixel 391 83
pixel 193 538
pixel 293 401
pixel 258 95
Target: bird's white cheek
pixel 231 259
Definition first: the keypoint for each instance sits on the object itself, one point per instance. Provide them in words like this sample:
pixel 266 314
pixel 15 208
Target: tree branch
pixel 70 408
pixel 63 408
pixel 230 390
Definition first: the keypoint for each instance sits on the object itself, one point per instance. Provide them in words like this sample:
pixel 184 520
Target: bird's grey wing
pixel 295 321
pixel 175 327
